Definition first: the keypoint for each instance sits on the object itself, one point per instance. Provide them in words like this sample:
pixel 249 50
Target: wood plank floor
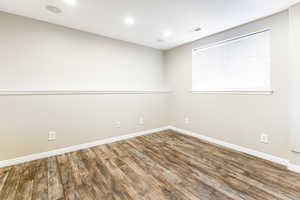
pixel 160 166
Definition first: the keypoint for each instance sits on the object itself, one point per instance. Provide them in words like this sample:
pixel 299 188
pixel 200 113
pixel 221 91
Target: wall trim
pixel 275 159
pixel 8 92
pixel 23 159
pixel 28 158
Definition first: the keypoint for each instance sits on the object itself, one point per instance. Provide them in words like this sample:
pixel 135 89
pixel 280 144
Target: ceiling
pixel 152 17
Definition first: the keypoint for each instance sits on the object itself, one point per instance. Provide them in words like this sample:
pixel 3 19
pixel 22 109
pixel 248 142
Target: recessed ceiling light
pixel 167 33
pixel 53 9
pixel 160 40
pixel 197 29
pixel 71 2
pixel 129 21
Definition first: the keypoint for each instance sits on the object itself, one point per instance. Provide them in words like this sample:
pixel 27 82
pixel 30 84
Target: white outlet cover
pixel 51 135
pixel 187 120
pixel 118 124
pixel 264 138
pixel 141 120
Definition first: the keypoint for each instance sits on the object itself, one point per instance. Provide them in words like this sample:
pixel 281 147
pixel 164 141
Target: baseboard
pixel 56 152
pixel 275 159
pixel 294 168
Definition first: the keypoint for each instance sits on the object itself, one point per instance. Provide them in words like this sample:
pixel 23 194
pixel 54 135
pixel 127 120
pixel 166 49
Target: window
pixel 241 64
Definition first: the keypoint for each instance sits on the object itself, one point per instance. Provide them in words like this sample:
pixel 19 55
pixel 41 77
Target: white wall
pixel 38 55
pixel 295 81
pixel 238 119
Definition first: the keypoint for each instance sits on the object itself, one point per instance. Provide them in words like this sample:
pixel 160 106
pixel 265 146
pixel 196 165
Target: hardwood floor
pixel 165 165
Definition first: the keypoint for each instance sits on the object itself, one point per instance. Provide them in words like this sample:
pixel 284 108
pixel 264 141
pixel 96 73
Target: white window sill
pixel 234 92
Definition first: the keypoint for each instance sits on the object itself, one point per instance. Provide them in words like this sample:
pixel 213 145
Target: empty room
pixel 149 100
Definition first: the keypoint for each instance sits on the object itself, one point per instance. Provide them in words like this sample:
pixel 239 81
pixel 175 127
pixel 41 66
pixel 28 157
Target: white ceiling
pixel 106 17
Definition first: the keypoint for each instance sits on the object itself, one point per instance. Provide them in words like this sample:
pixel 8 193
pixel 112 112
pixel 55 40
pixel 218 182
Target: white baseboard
pixel 294 168
pixel 275 159
pixel 56 152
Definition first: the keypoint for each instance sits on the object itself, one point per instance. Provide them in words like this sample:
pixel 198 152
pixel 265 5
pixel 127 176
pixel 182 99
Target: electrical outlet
pixel 141 121
pixel 186 120
pixel 118 124
pixel 51 135
pixel 264 138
